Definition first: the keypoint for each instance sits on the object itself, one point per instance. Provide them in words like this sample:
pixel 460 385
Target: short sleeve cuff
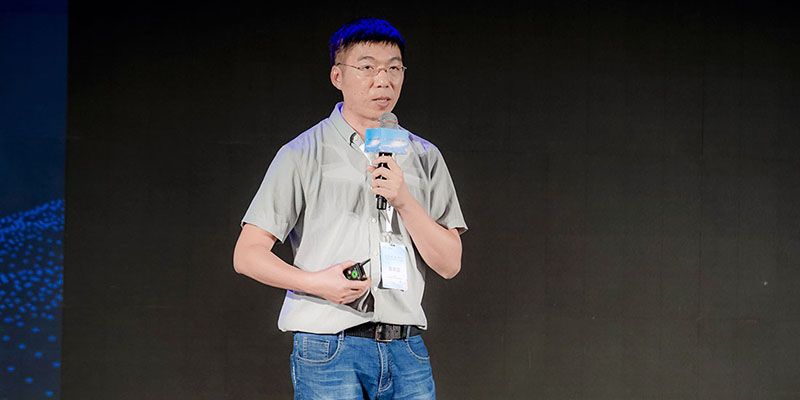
pixel 278 228
pixel 457 224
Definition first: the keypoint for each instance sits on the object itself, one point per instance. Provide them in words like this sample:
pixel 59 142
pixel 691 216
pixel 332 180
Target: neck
pixel 359 124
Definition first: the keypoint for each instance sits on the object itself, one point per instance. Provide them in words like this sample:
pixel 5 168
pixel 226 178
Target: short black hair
pixel 364 30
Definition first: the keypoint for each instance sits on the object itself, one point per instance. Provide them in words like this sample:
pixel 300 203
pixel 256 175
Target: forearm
pixel 437 245
pixel 261 264
pixel 253 257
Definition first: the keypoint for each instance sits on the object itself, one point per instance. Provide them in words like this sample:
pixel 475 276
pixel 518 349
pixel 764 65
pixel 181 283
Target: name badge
pixel 393 266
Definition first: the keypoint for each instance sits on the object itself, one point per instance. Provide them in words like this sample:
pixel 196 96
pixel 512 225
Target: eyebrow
pixel 370 58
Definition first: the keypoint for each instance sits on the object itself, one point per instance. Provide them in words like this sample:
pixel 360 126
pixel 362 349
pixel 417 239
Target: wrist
pixel 306 282
pixel 406 203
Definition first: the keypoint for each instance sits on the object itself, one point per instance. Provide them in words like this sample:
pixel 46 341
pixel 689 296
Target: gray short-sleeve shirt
pixel 317 193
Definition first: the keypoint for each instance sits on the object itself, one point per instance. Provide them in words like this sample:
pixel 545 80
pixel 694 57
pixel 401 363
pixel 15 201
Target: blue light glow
pixel 30 336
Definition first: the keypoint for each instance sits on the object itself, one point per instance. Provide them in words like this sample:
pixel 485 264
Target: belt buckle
pixel 381 334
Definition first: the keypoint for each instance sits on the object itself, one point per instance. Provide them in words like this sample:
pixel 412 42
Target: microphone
pixel 389 121
pixel 388 139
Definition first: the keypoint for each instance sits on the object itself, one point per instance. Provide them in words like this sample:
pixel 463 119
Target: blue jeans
pixel 340 367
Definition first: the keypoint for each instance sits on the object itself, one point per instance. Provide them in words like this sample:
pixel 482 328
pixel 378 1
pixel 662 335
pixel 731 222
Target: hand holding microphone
pixel 388 182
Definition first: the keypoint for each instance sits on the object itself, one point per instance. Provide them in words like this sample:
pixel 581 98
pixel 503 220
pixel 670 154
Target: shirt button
pixel 373 220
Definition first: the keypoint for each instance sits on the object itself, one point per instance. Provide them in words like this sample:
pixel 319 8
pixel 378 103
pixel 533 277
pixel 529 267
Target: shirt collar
pixel 345 130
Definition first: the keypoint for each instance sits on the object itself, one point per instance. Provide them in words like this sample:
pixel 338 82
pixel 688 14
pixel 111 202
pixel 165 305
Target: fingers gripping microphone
pixel 388 139
pixel 389 121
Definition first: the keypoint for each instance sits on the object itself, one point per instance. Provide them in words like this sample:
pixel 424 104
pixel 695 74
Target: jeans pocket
pixel 416 346
pixel 316 348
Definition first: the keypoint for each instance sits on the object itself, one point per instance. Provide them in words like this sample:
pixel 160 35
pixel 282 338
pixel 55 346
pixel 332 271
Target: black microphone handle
pixel 380 200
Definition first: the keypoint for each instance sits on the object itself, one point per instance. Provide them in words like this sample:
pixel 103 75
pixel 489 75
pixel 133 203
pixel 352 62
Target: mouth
pixel 382 101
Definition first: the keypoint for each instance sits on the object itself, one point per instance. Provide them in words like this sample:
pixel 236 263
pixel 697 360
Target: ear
pixel 336 77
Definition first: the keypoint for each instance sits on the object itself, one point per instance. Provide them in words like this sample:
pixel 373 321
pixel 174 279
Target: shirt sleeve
pixel 444 206
pixel 279 200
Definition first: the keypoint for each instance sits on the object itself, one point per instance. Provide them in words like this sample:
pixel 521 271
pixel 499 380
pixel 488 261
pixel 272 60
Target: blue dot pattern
pixel 31 277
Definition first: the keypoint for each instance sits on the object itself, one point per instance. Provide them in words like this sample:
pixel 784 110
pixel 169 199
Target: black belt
pixel 383 332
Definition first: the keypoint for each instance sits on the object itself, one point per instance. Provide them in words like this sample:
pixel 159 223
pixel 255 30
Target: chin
pixel 388 108
pixel 377 114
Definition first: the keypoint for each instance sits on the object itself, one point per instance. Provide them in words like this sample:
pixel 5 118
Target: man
pixel 355 339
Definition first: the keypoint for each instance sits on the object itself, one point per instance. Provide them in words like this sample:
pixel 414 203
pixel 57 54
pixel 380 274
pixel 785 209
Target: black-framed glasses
pixel 394 71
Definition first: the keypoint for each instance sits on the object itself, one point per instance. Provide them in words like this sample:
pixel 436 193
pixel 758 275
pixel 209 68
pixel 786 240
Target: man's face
pixel 367 95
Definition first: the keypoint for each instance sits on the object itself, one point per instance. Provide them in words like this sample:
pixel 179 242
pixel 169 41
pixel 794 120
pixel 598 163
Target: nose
pixel 382 77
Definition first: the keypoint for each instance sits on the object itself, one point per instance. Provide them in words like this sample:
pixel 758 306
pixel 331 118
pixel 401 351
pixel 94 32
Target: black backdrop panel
pixel 630 175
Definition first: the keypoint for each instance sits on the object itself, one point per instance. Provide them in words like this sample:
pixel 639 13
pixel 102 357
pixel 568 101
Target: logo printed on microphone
pixel 386 140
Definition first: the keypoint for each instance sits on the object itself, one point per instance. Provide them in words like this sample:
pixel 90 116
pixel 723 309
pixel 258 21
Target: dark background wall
pixel 630 174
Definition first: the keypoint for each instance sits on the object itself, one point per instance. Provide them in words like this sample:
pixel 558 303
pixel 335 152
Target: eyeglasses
pixel 394 71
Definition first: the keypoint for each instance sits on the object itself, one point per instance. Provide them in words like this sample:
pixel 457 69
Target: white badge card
pixel 393 266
